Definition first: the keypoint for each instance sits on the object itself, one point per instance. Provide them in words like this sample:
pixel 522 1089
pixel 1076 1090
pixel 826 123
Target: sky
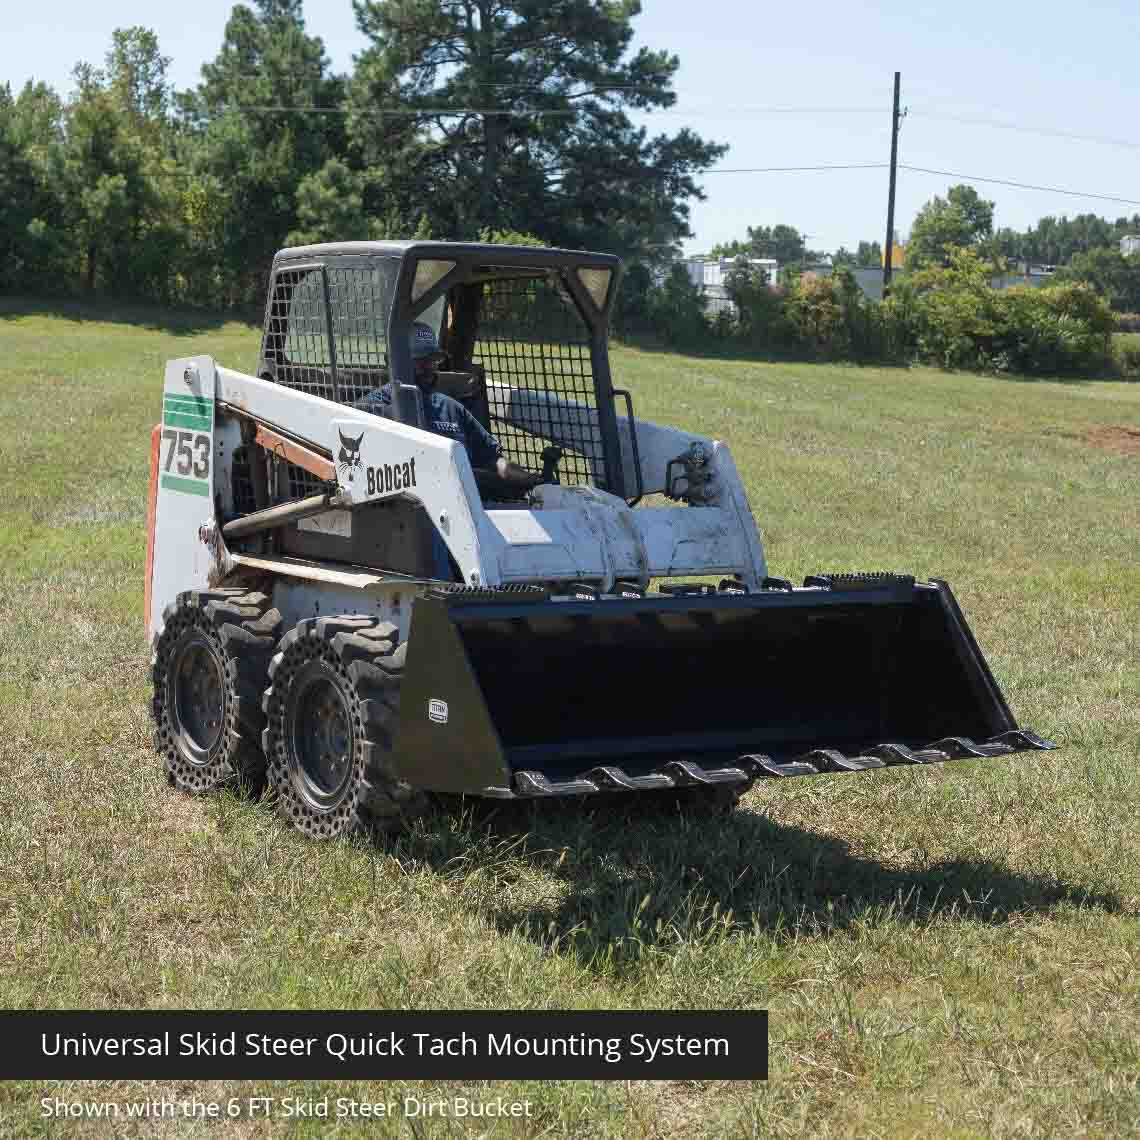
pixel 793 85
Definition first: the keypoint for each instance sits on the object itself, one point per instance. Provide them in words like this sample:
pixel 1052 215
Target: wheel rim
pixel 198 697
pixel 323 740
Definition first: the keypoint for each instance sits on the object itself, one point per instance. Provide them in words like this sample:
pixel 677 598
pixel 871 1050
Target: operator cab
pixel 524 335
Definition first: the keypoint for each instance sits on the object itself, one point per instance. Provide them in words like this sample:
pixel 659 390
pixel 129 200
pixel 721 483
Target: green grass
pixel 944 952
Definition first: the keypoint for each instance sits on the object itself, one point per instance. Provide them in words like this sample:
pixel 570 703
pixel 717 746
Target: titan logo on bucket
pixel 437 711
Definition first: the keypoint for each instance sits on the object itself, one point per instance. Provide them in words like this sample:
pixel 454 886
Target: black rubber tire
pixel 360 663
pixel 234 631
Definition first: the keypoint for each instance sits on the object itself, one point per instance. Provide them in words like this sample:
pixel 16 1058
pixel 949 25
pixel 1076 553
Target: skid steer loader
pixel 338 602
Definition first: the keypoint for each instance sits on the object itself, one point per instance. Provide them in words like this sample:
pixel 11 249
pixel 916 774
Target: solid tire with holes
pixel 332 709
pixel 209 669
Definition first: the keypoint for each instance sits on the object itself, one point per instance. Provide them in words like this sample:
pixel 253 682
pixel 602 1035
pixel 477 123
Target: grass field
pixel 947 952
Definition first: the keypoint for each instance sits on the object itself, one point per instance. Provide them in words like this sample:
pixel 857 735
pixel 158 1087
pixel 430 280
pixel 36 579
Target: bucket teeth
pixel 1023 738
pixel 761 765
pixel 900 754
pixel 684 773
pixel 688 773
pixel 961 747
pixel 828 760
pixel 536 784
pixel 612 779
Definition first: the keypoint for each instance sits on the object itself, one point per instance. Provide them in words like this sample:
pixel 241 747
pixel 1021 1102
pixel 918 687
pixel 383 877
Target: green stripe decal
pixel 204 410
pixel 187 486
pixel 197 401
pixel 188 406
pixel 177 419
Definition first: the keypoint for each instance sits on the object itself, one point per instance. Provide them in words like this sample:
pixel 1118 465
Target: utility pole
pixel 889 248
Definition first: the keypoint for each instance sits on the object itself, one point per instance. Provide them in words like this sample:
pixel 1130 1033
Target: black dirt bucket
pixel 512 693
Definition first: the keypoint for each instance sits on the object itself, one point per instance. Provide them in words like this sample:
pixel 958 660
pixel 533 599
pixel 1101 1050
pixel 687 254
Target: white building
pixel 714 272
pixel 711 275
pixel 1130 245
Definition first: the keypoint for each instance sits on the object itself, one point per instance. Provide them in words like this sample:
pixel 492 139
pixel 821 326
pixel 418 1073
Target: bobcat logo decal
pixel 348 459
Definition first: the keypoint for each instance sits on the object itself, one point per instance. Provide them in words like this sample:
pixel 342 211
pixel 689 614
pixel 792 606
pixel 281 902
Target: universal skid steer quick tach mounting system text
pixel 340 603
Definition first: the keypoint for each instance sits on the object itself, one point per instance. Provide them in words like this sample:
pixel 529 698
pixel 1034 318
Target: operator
pixel 449 418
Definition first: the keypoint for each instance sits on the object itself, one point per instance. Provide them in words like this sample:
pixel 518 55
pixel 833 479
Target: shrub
pixel 1060 329
pixel 1126 356
pixel 960 321
pixel 631 307
pixel 677 310
pixel 954 311
pixel 815 314
pixel 761 319
pixel 946 315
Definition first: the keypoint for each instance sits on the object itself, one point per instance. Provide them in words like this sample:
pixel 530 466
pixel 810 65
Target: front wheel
pixel 331 710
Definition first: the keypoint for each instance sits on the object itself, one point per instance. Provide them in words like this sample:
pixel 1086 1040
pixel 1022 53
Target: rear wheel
pixel 209 669
pixel 331 714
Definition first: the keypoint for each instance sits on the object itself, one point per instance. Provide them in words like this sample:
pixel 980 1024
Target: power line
pixel 843 166
pixel 738 109
pixel 795 169
pixel 415 111
pixel 1020 185
pixel 1049 132
pixel 541 111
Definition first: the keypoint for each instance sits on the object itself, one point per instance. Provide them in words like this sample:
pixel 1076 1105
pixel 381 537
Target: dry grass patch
pixel 1114 437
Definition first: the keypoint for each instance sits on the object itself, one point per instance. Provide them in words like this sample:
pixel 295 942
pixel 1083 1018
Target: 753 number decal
pixel 188 453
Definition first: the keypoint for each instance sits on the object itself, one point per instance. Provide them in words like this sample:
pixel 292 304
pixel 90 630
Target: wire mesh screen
pixel 298 321
pixel 301 483
pixel 297 334
pixel 360 298
pixel 242 482
pixel 535 348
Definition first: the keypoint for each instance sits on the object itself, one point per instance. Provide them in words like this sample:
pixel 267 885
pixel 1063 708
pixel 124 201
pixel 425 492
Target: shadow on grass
pixel 154 318
pixel 660 879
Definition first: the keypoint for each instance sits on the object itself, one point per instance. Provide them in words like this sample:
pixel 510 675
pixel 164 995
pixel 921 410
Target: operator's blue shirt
pixel 449 418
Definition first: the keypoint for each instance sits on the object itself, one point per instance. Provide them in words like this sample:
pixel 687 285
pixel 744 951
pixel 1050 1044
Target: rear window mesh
pixel 532 339
pixel 297 324
pixel 361 298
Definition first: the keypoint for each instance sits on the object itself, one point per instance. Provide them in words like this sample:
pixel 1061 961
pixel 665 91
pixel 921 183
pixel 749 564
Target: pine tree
pixel 512 114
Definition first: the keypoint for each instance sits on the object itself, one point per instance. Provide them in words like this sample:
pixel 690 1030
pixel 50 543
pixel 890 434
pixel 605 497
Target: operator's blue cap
pixel 423 341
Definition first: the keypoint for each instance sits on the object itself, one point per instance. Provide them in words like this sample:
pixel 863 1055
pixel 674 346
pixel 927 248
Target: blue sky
pixel 1068 69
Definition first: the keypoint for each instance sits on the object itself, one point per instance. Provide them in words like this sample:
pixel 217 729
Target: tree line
pixel 455 120
pixel 943 307
pixel 1081 249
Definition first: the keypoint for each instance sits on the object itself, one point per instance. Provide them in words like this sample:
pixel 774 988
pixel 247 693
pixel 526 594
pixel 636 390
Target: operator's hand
pixel 505 481
pixel 516 476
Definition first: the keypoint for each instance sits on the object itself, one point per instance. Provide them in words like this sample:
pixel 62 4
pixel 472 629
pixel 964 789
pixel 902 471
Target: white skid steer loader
pixel 339 602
